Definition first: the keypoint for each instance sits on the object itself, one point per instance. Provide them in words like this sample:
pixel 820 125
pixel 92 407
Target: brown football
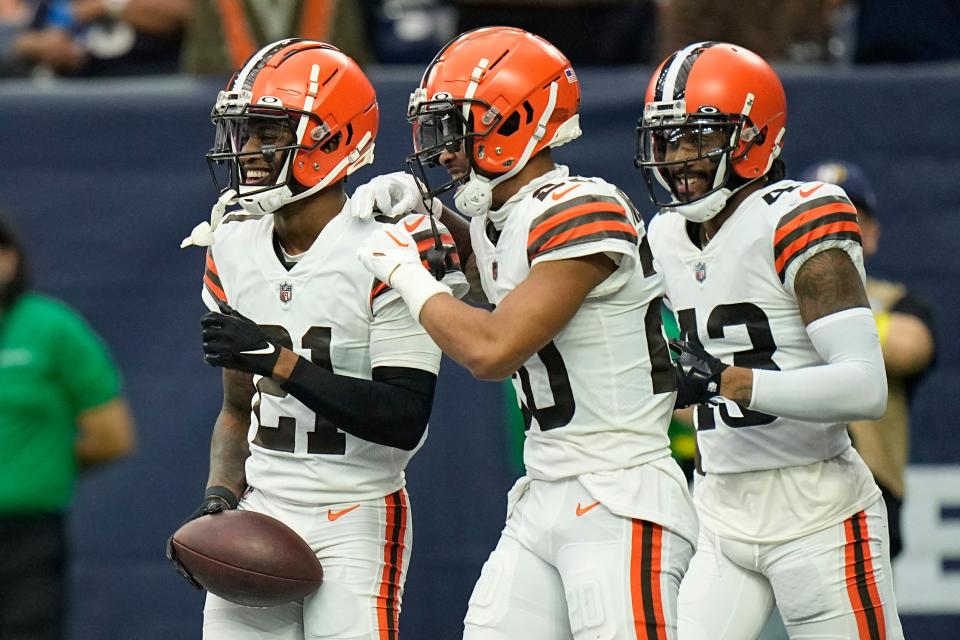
pixel 248 558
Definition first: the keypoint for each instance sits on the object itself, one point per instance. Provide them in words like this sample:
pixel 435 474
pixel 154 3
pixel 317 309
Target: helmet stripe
pixel 248 74
pixel 658 92
pixel 675 75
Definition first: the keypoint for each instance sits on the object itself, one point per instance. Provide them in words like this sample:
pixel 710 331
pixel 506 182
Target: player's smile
pixel 694 153
pixel 690 184
pixel 258 173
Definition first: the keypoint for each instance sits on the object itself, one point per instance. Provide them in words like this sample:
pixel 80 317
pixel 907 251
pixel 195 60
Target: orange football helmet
pixel 505 94
pixel 301 98
pixel 726 104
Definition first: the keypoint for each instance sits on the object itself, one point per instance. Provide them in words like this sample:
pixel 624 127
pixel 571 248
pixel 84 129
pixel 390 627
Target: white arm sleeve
pixel 852 385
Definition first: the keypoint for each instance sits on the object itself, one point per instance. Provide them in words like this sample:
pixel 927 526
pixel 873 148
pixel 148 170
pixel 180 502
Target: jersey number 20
pixel 564 405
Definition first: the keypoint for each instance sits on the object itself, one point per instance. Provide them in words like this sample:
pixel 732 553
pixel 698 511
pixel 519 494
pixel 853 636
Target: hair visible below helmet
pixel 503 92
pixel 702 89
pixel 315 92
pixel 848 177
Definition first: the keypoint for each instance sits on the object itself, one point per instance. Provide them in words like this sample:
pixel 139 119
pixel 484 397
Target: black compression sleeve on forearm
pixel 392 409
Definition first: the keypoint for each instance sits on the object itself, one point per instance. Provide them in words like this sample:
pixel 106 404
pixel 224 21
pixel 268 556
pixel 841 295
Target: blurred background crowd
pixel 105 106
pixel 100 38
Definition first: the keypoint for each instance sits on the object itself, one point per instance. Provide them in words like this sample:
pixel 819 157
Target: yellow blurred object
pixel 883 325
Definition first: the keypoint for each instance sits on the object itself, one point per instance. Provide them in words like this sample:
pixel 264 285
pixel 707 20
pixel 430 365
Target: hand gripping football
pixel 248 558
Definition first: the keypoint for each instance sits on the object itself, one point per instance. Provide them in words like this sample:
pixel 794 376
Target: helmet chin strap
pixel 703 209
pixel 202 234
pixel 475 197
pixel 707 207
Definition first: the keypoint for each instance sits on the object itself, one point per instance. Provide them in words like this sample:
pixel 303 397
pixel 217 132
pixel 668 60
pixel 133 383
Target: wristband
pixel 224 494
pixel 416 285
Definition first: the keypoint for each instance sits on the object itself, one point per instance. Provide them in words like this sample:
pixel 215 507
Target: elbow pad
pixel 852 385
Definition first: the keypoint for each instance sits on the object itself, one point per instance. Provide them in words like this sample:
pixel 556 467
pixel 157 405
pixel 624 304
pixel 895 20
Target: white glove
pixel 394 194
pixel 391 255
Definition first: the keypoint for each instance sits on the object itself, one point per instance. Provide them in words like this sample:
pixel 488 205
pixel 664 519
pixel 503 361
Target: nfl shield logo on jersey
pixel 700 271
pixel 494 269
pixel 286 292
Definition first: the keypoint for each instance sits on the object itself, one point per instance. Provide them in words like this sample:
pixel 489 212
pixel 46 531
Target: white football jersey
pixel 331 310
pixel 599 395
pixel 736 297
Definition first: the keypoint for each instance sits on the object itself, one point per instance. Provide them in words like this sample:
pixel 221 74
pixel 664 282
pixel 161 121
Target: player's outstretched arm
pixel 852 384
pixel 492 345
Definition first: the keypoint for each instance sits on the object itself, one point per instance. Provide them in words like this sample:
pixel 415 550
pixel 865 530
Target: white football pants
pixel 364 548
pixel 568 567
pixel 833 584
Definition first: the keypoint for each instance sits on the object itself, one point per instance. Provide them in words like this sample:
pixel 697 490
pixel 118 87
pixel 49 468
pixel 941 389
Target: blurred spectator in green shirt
pixel 61 410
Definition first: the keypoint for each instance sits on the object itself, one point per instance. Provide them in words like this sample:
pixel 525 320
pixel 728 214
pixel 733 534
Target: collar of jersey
pixel 498 217
pixel 731 221
pixel 325 243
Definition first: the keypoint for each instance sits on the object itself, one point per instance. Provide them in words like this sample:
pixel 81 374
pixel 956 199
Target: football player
pixel 328 380
pixel 780 350
pixel 600 530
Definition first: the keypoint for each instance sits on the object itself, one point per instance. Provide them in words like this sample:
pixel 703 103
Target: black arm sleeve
pixel 392 409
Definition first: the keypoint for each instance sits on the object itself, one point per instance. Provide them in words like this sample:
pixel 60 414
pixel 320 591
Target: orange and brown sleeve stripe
pixel 578 221
pixel 391 582
pixel 211 279
pixel 425 242
pixel 646 552
pixel 820 220
pixel 862 580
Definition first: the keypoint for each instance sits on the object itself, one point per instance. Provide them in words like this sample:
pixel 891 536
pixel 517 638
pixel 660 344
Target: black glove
pixel 234 341
pixel 698 373
pixel 217 499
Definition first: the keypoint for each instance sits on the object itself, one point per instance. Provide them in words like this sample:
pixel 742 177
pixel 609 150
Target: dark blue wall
pixel 104 181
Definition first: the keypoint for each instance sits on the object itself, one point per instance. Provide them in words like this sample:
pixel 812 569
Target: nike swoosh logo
pixel 556 195
pixel 808 192
pixel 265 351
pixel 333 515
pixel 397 242
pixel 583 510
pixel 413 227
